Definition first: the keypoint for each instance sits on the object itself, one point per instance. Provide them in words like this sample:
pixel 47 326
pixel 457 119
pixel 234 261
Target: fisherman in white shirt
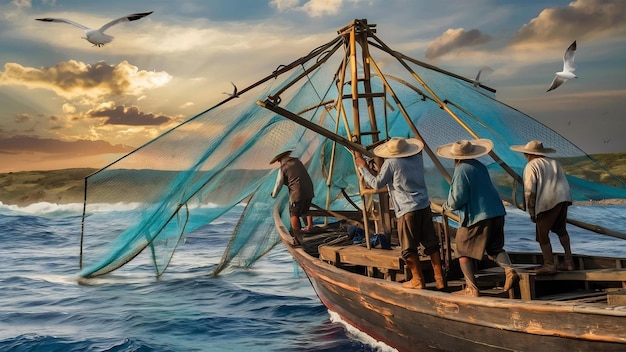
pixel 547 196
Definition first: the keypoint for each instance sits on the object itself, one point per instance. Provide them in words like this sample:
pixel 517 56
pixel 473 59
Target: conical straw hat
pixel 465 149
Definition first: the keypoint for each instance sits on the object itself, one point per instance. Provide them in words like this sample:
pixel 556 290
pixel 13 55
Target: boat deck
pixel 602 285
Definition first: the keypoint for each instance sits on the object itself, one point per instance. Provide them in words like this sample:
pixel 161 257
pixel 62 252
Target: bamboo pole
pixel 339 106
pixel 423 64
pixel 596 228
pixel 314 127
pixel 354 86
pixel 356 121
pixel 383 198
pixel 339 216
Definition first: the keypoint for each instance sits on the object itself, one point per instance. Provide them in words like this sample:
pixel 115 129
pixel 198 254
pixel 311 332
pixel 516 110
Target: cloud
pixel 21 3
pixel 72 79
pixel 580 19
pixel 453 39
pixel 68 108
pixel 21 118
pixel 21 144
pixel 283 5
pixel 130 116
pixel 313 8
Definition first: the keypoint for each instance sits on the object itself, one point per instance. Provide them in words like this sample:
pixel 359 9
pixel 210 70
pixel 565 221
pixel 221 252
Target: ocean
pixel 269 307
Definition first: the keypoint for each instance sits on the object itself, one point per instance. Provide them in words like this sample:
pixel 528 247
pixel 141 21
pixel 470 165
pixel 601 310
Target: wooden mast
pixel 373 209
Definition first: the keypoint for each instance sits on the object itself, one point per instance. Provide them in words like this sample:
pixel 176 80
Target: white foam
pixel 56 279
pixel 47 209
pixel 69 209
pixel 360 335
pixel 43 209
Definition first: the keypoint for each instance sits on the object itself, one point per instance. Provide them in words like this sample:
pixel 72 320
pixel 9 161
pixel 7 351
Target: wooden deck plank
pixel 359 255
pixel 585 275
pixel 528 280
pixel 578 296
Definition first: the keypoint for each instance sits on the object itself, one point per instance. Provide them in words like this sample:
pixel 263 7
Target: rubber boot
pixel 417 280
pixel 511 276
pixel 435 260
pixel 548 260
pixel 471 288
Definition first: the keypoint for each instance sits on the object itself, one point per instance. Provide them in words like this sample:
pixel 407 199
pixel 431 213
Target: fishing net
pixel 198 171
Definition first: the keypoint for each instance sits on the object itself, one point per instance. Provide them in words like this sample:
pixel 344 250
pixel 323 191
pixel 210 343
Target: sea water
pixel 269 307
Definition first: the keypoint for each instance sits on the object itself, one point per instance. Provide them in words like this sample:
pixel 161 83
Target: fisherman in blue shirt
pixel 481 212
pixel 403 173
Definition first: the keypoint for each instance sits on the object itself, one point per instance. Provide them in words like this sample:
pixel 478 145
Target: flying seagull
pixel 485 70
pixel 97 36
pixel 234 93
pixel 568 68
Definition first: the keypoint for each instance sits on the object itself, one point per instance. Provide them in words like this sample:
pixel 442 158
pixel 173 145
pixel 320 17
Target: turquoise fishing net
pixel 200 170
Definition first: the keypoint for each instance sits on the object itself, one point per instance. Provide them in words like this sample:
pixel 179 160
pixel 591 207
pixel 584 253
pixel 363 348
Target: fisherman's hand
pixel 360 162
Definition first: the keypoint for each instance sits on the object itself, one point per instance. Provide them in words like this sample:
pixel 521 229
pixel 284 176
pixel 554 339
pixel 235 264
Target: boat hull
pixel 410 320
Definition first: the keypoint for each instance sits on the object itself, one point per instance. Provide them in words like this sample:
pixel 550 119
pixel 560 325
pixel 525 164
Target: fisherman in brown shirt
pixel 294 174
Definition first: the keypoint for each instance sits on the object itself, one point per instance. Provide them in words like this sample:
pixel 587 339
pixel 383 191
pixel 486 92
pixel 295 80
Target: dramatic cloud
pixel 72 79
pixel 53 146
pixel 454 39
pixel 130 116
pixel 580 19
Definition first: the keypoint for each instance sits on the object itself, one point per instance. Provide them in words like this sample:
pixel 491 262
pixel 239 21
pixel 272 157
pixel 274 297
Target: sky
pixel 65 103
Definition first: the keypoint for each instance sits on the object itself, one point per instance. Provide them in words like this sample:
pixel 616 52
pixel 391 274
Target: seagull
pixel 486 70
pixel 568 68
pixel 97 36
pixel 234 93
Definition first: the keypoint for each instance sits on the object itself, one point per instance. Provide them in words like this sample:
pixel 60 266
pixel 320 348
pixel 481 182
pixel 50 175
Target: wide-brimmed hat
pixel 465 149
pixel 398 147
pixel 280 156
pixel 533 147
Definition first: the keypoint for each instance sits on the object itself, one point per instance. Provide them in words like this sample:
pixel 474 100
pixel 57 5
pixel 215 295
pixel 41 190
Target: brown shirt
pixel 297 179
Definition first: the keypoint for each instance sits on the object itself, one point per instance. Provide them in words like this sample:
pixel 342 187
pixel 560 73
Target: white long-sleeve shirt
pixel 545 185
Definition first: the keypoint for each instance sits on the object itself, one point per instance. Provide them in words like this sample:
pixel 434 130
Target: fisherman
pixel 481 212
pixel 403 173
pixel 294 174
pixel 547 196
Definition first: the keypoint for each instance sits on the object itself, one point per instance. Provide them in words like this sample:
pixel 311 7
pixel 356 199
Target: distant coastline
pixel 67 185
pixel 54 186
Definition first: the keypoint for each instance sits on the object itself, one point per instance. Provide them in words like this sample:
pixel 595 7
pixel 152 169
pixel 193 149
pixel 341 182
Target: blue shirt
pixel 405 179
pixel 473 194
